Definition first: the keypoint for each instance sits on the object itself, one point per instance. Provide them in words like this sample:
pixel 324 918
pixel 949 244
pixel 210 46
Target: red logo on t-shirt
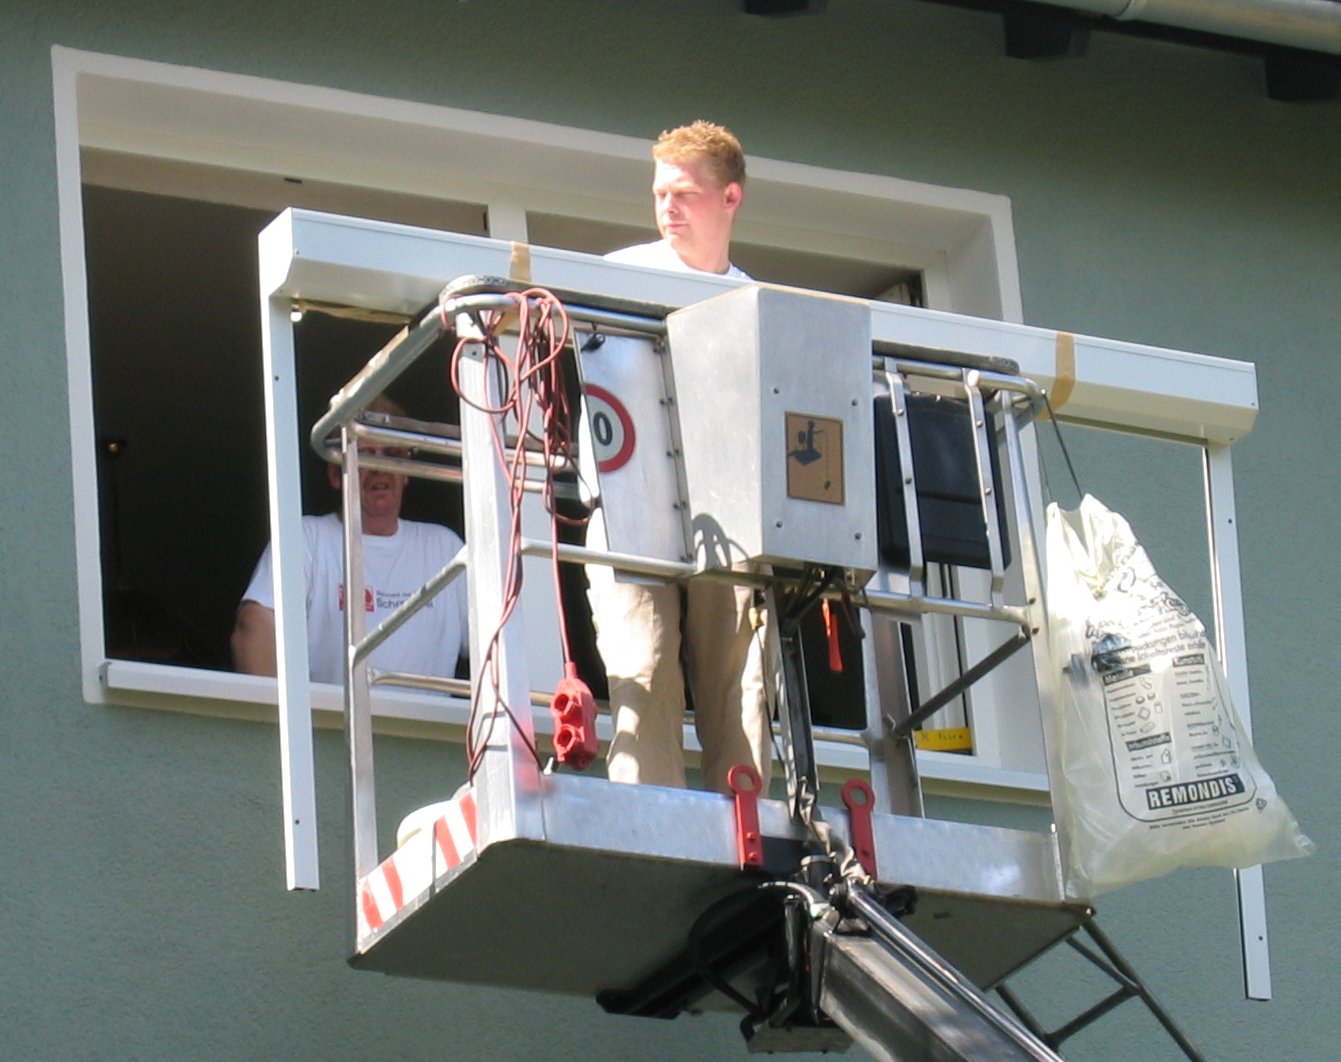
pixel 367 598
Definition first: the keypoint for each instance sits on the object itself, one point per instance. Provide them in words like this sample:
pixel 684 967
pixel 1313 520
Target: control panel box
pixel 773 391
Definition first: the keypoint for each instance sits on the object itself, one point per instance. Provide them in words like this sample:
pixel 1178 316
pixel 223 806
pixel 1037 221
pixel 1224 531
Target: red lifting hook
pixel 860 801
pixel 745 783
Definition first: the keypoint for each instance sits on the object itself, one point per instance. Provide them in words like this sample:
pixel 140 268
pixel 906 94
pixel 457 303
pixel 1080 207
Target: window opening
pixel 175 349
pixel 105 104
pixel 175 343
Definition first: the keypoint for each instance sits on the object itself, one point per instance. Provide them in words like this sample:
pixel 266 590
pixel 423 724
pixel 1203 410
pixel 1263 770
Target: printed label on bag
pixel 1176 751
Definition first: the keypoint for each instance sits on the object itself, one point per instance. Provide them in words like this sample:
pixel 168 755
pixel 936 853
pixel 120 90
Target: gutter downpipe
pixel 1310 25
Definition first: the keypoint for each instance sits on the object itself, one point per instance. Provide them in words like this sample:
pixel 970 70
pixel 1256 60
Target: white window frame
pixel 961 241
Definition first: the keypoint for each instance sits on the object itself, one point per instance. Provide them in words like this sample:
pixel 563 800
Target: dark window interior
pixel 178 407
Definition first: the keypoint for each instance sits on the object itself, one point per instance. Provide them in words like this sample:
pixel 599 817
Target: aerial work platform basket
pixel 782 440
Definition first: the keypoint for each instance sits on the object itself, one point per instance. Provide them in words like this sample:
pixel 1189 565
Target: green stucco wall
pixel 1158 196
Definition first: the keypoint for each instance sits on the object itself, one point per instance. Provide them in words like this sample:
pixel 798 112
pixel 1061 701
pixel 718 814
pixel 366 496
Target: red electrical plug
pixel 574 711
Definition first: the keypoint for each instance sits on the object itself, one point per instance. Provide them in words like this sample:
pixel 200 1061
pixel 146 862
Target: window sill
pixel 411 713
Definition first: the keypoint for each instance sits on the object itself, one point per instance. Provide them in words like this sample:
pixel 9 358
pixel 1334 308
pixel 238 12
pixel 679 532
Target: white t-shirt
pixel 394 567
pixel 661 255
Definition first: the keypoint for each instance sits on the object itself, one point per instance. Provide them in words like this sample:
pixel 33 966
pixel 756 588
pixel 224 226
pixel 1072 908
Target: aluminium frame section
pixel 384 367
pixel 1019 401
pixel 1231 640
pixel 899 999
pixel 507 778
pixel 508 767
pixel 297 768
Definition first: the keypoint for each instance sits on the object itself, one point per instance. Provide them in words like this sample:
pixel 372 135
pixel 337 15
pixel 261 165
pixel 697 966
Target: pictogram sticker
pixel 611 429
pixel 815 458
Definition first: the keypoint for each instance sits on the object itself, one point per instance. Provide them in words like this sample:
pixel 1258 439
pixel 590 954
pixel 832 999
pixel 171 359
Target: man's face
pixel 380 493
pixel 694 213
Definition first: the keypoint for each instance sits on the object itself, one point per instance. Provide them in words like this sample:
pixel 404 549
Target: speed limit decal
pixel 611 429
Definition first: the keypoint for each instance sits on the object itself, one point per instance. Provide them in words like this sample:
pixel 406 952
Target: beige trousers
pixel 642 633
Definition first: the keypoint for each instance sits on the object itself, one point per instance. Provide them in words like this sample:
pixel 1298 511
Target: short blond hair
pixel 714 144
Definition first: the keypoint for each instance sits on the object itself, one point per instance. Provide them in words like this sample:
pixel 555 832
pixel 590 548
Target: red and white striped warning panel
pixel 430 842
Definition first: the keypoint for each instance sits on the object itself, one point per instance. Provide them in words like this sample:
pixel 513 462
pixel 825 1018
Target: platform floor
pixel 612 891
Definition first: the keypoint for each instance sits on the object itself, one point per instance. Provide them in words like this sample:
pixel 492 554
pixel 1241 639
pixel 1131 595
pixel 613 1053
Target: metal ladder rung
pixel 1130 986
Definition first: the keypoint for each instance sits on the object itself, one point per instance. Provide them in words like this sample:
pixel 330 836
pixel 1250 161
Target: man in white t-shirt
pixel 642 630
pixel 399 556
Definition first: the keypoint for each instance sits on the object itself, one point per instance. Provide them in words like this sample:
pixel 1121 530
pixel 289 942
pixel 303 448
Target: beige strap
pixel 1064 376
pixel 519 266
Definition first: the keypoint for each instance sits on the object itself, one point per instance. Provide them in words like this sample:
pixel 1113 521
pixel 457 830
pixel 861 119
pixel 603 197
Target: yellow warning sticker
pixel 955 739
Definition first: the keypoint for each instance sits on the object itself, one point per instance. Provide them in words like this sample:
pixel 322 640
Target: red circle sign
pixel 611 429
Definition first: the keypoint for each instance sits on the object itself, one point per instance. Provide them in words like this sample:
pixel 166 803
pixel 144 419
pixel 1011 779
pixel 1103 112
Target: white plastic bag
pixel 1158 770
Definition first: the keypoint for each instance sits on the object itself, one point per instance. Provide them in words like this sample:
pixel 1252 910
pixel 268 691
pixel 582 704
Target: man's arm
pixel 253 639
